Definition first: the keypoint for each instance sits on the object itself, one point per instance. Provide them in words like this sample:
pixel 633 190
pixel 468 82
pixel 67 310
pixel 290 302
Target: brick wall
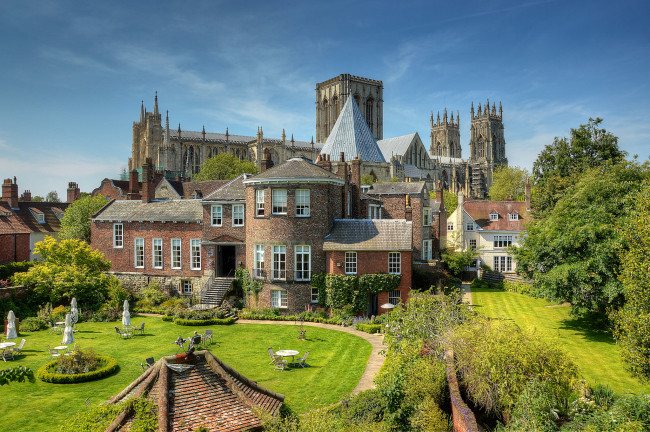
pixel 110 191
pixel 226 228
pixel 14 247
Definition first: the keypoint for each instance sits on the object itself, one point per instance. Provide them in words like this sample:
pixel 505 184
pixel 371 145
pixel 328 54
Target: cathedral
pixel 349 124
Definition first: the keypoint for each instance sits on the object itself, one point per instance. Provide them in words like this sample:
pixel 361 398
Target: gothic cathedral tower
pixel 445 136
pixel 487 147
pixel 147 137
pixel 332 94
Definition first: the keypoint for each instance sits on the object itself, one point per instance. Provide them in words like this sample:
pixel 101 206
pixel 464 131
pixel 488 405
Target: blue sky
pixel 72 74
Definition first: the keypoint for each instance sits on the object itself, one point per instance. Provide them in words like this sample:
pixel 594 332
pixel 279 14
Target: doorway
pixel 373 307
pixel 226 261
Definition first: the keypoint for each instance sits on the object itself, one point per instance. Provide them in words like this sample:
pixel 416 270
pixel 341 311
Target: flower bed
pixel 108 365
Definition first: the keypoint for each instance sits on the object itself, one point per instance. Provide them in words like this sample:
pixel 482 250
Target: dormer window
pixel 514 216
pixel 40 217
pixel 494 217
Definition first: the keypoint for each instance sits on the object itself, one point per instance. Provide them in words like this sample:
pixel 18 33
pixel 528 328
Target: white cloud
pixel 74 59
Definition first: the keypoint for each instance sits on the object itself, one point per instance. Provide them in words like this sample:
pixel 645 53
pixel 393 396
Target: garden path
pixel 466 290
pixel 375 361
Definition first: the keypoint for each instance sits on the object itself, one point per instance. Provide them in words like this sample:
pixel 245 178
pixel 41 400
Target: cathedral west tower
pixel 487 147
pixel 445 136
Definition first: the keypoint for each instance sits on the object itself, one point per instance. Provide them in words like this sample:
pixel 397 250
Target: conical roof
pixel 352 136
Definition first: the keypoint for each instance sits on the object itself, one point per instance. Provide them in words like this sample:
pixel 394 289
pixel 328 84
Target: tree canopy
pixel 76 219
pixel 509 181
pixel 52 196
pixel 224 166
pixel 70 268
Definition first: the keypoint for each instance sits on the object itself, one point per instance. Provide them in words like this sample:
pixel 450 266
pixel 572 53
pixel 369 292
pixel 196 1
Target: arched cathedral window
pixel 369 104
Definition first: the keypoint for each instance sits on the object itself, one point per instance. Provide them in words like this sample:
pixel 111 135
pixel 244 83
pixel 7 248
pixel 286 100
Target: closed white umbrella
pixel 74 312
pixel 126 316
pixel 68 334
pixel 11 326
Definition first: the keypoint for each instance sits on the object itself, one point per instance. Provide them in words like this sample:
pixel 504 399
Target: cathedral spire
pixel 203 133
pixel 179 131
pixel 438 121
pixel 444 118
pixel 452 117
pixel 142 112
pixel 494 109
pixel 155 104
pixel 284 136
pixel 500 110
pixel 167 129
pixel 479 109
pixel 472 109
pixel 292 141
pixel 431 118
pixel 457 118
pixel 227 134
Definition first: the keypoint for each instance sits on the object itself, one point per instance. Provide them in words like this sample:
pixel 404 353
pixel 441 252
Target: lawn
pixel 337 361
pixel 594 350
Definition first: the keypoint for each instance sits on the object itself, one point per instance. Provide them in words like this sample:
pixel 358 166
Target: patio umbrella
pixel 126 316
pixel 74 312
pixel 68 334
pixel 11 326
pixel 388 306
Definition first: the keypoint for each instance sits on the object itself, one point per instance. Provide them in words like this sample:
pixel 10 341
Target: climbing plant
pixel 338 291
pixel 247 284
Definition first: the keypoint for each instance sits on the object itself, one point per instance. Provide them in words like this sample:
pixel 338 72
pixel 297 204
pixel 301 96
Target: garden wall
pixel 463 417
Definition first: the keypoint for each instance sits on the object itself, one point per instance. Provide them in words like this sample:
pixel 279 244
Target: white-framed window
pixel 118 235
pixel 195 254
pixel 472 244
pixel 350 263
pixel 237 215
pixel 476 262
pixel 514 216
pixel 374 211
pixel 259 262
pixel 216 212
pixel 302 202
pixel 40 218
pixel 278 299
pixel 426 250
pixel 187 287
pixel 303 262
pixel 469 226
pixel 157 253
pixel 494 216
pixel 259 202
pixel 138 252
pixel 314 295
pixel 426 216
pixel 394 297
pixel 450 226
pixel 176 253
pixel 501 241
pixel 279 198
pixel 279 262
pixel 502 263
pixel 394 262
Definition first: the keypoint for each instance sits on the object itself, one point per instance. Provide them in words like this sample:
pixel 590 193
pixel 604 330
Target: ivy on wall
pixel 247 284
pixel 338 291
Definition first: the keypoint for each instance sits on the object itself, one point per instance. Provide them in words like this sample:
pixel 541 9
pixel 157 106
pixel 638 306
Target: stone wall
pixel 172 284
pixel 463 417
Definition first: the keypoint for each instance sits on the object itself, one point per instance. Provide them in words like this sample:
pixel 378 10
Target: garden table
pixel 288 353
pixel 4 346
pixel 61 348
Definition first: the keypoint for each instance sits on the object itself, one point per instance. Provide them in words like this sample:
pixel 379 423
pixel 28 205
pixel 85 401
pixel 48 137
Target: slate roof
pixel 294 169
pixel 168 211
pixel 352 136
pixel 367 234
pixel 233 190
pixel 480 212
pixel 208 393
pixel 411 171
pixel 395 146
pixel 23 220
pixel 397 188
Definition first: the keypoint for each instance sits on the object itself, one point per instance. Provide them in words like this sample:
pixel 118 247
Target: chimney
pixel 355 174
pixel 147 184
pixel 10 193
pixel 26 196
pixel 73 192
pixel 439 194
pixel 134 187
pixel 324 163
pixel 408 213
pixel 267 163
pixel 527 194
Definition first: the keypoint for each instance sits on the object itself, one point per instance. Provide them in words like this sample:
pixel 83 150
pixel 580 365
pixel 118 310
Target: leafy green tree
pixel 457 261
pixel 509 181
pixel 450 199
pixel 367 179
pixel 52 196
pixel 573 252
pixel 632 329
pixel 37 198
pixel 76 219
pixel 224 166
pixel 70 268
pixel 560 163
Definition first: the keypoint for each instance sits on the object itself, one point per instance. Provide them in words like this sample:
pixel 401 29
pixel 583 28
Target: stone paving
pixel 375 361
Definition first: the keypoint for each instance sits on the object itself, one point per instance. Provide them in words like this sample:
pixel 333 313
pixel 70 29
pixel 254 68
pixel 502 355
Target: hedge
pixel 168 318
pixel 211 321
pixel 52 377
pixel 368 328
pixel 254 316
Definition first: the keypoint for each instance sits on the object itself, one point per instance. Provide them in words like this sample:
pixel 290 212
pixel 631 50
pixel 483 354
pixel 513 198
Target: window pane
pixel 279 262
pixel 303 262
pixel 118 235
pixel 216 215
pixel 279 201
pixel 176 253
pixel 157 253
pixel 394 297
pixel 259 202
pixel 259 261
pixel 195 254
pixel 237 215
pixel 139 253
pixel 302 202
pixel 351 262
pixel 394 263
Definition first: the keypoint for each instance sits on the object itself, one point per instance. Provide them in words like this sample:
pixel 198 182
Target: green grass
pixel 337 361
pixel 593 349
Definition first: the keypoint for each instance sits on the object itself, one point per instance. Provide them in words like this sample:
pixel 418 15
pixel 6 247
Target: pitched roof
pixel 367 234
pixel 168 211
pixel 200 389
pixel 352 136
pixel 205 187
pixel 233 190
pixel 396 146
pixel 480 211
pixel 26 213
pixel 10 222
pixel 397 188
pixel 295 169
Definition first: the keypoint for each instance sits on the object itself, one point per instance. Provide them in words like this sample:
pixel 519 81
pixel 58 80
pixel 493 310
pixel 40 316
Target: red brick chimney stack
pixel 73 192
pixel 355 168
pixel 134 193
pixel 26 196
pixel 147 183
pixel 10 193
pixel 439 195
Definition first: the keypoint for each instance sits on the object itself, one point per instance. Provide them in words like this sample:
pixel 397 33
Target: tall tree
pixel 224 166
pixel 632 331
pixel 52 196
pixel 573 252
pixel 509 182
pixel 76 219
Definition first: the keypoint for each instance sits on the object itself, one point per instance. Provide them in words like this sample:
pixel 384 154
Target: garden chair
pixel 18 349
pixel 280 363
pixel 121 334
pixel 53 353
pixel 272 355
pixel 54 328
pixel 301 361
pixel 7 353
pixel 180 342
pixel 139 330
pixel 207 336
pixel 195 341
pixel 147 363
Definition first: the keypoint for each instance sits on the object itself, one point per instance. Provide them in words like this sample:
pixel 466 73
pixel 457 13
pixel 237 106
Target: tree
pixel 450 199
pixel 367 179
pixel 52 196
pixel 563 161
pixel 37 198
pixel 70 268
pixel 458 261
pixel 76 219
pixel 224 166
pixel 631 323
pixel 573 252
pixel 509 181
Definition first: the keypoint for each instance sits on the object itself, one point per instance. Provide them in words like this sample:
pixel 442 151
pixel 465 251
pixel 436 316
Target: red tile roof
pixel 22 220
pixel 10 222
pixel 480 212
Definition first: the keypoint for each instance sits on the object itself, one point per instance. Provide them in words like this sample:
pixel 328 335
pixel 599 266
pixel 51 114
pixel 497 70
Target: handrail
pixel 205 287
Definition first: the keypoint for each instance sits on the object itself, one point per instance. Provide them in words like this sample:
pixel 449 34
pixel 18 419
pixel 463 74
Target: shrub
pixel 537 408
pixel 167 318
pixel 8 270
pixel 430 418
pixel 518 287
pixel 106 315
pixel 368 405
pixel 19 374
pixel 99 418
pixel 368 328
pixel 46 373
pixel 77 363
pixel 31 324
pixel 59 313
pixel 205 322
